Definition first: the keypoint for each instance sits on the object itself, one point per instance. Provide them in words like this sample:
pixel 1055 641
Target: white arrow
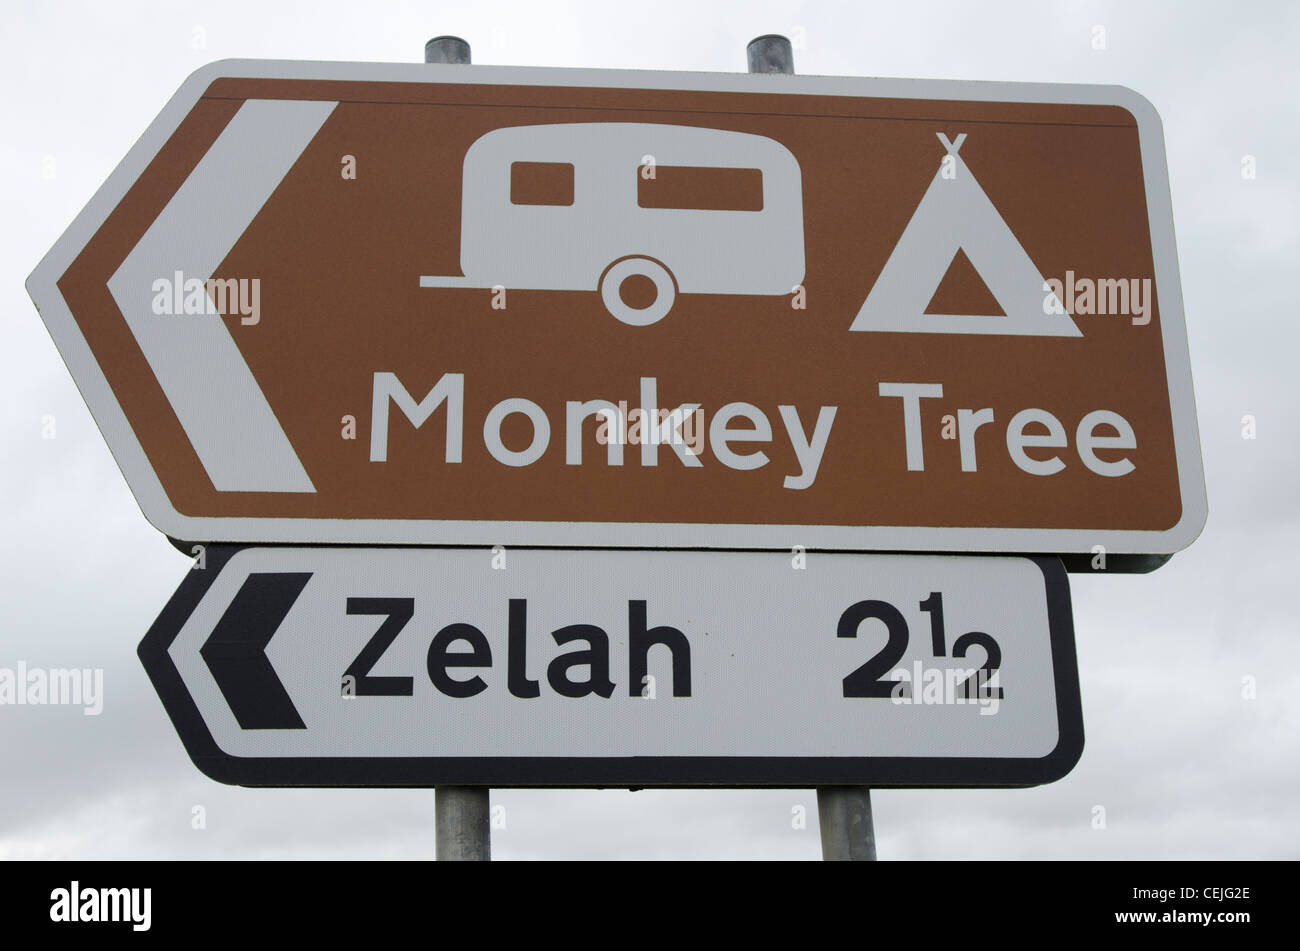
pixel 223 411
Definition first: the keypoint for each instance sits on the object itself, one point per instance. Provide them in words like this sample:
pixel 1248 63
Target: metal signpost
pixel 843 812
pixel 462 820
pixel 708 430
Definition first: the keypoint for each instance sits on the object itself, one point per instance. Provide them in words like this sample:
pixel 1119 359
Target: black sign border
pixel 635 772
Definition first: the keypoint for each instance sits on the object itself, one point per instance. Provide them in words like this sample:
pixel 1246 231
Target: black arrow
pixel 236 651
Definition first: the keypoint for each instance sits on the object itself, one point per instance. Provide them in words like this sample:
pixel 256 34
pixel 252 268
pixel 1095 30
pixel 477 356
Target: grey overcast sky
pixel 1184 762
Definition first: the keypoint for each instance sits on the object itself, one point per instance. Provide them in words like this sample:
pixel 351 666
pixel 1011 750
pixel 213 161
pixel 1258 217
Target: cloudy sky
pixel 1185 763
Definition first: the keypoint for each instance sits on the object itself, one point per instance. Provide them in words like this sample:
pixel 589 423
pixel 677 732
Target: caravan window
pixel 541 183
pixel 707 189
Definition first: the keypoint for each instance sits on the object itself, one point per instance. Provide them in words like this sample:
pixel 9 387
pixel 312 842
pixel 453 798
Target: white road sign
pixel 320 666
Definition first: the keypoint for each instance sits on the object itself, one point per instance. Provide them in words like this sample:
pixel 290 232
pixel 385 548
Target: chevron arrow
pixel 236 651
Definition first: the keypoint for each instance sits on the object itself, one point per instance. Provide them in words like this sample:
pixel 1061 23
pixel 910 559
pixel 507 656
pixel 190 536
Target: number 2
pixel 866 680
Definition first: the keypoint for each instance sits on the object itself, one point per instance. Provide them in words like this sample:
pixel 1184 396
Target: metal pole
pixel 844 815
pixel 843 812
pixel 462 816
pixel 462 824
pixel 447 49
pixel 770 54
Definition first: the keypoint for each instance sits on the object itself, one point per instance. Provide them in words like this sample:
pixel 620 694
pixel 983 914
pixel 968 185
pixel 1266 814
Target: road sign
pixel 329 666
pixel 481 305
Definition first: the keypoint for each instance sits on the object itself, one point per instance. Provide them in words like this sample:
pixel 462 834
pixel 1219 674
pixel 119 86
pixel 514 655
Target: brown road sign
pixel 481 305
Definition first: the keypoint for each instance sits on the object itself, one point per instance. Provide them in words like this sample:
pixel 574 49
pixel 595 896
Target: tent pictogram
pixel 956 215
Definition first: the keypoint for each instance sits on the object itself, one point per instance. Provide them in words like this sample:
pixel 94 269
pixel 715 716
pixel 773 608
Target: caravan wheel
pixel 611 290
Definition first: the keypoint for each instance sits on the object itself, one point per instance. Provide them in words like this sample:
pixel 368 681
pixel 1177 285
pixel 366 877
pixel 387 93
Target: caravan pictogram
pixel 570 207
